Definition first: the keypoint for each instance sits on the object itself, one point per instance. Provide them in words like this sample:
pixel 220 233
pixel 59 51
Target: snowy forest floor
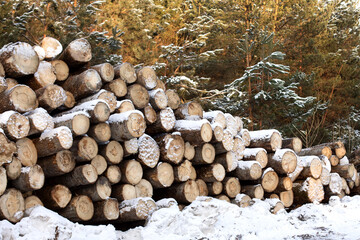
pixel 214 219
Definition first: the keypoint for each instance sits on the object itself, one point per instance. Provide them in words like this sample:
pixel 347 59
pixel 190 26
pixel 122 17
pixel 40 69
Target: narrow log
pixel 131 147
pixel 113 174
pixel 204 154
pixel 123 192
pixel 309 191
pixel 158 99
pixel 150 114
pixel 218 132
pixel 12 205
pixel 136 210
pixel 269 180
pixel 227 160
pixel 189 111
pixel 80 208
pixel 149 152
pixel 275 205
pixel 43 76
pixel 215 117
pixel 345 171
pixel 146 77
pixel 239 123
pixel 77 122
pixel 61 163
pixel 51 46
pixel 231 186
pixel 14 124
pixel 144 189
pixel 211 173
pixel 98 191
pixel 40 120
pixel 284 161
pixel 26 152
pixel 19 59
pixel 292 143
pixel 99 163
pixel 13 169
pixel 160 85
pixel 2 71
pixel 287 198
pixel 173 99
pixel 269 139
pixel 203 191
pixel 107 96
pixel 106 210
pixel 138 95
pixel 338 148
pixel 81 175
pixel 227 143
pixel 3 180
pixel 165 122
pixel 117 87
pixel 285 184
pixel 185 192
pixel 32 201
pixel 105 70
pixel 239 147
pixel 189 152
pixel 245 135
pixel 256 154
pixel 125 72
pixel 182 172
pixel 31 178
pixel 195 132
pixel 172 147
pixel 77 53
pixel 127 125
pixel 131 171
pixel 83 84
pixel 214 188
pixel 334 160
pixel 316 151
pixel 326 169
pixel 124 106
pixel 162 176
pixel 335 186
pixel 242 200
pixel 253 191
pixel 84 149
pixel 19 98
pixel 248 170
pixel 61 70
pixel 112 152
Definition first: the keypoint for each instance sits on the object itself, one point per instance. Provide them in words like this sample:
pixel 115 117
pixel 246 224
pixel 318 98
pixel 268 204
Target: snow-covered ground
pixel 203 219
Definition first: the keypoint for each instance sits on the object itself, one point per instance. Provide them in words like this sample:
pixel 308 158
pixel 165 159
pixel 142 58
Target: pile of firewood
pixel 102 143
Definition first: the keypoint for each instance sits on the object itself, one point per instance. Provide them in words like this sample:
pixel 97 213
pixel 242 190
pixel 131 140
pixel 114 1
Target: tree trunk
pixel 150 114
pixel 338 147
pixel 285 184
pixel 80 208
pixel 269 180
pixel 61 70
pixel 128 125
pixel 81 175
pixel 248 170
pixel 77 53
pixel 284 161
pixel 173 99
pixel 125 72
pixel 124 106
pixel 43 76
pixel 165 122
pixel 13 169
pixel 26 152
pixel 106 210
pixel 227 143
pixel 112 152
pixel 105 95
pixel 32 201
pixel 3 83
pixel 182 172
pixel 190 111
pixel 231 124
pixel 162 176
pixel 100 132
pixel 105 70
pixel 12 205
pixel 14 124
pixel 312 167
pixel 131 147
pixel 204 154
pixel 256 154
pixel 309 191
pixel 31 178
pixel 214 188
pixel 203 191
pixel 239 147
pixel 316 150
pixel 189 152
pixel 231 186
pixel 242 200
pixel 287 197
pixel 253 191
pixel 98 191
pixel 227 160
pixel 123 192
pixel 113 173
pixel 172 148
pixel 52 47
pixel 131 171
pixel 211 173
pixel 19 98
pixel 292 143
pixel 59 164
pixel 334 160
pixel 144 189
pixel 69 102
pixel 117 87
pixel 84 149
pixel 149 152
pixel 335 186
pixel 146 77
pixel 269 139
pixel 136 210
pixel 160 85
pixel 218 133
pixel 195 132
pixel 185 192
pixel 138 95
pixel 40 120
pixel 215 117
pixel 158 99
pixel 345 171
pixel 100 164
pixel 77 122
pixel 7 148
pixel 223 198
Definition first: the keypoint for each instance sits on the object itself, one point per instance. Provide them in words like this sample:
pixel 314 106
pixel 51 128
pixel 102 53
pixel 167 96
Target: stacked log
pixel 100 143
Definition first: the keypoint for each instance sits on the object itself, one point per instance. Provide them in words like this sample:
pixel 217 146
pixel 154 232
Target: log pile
pixel 102 143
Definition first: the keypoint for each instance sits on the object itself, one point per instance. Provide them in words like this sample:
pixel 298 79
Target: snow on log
pixel 105 70
pixel 107 96
pixel 189 111
pixel 51 46
pixel 19 98
pixel 77 53
pixel 14 124
pixel 40 120
pixel 165 122
pixel 292 143
pixel 269 139
pixel 43 76
pixel 158 99
pixel 136 209
pixel 131 147
pixel 172 147
pixel 245 135
pixel 227 160
pixel 248 170
pixel 149 152
pixel 215 117
pixel 31 178
pixel 146 77
pixel 124 106
pixel 173 99
pixel 242 200
pixel 125 72
pixel 239 147
pixel 127 125
pixel 284 161
pixel 256 154
pixel 309 191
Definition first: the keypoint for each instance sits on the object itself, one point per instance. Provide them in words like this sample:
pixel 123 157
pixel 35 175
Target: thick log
pixel 253 191
pixel 214 188
pixel 185 192
pixel 98 191
pixel 130 147
pixel 245 135
pixel 242 200
pixel 287 197
pixel 117 87
pixel 182 172
pixel 227 160
pixel 77 53
pixel 309 191
pixel 269 139
pixel 26 152
pixel 83 84
pixel 189 111
pixel 59 164
pixel 284 161
pixel 204 154
pixel 81 175
pixel 269 180
pixel 158 99
pixel 256 154
pixel 150 114
pixel 61 70
pixel 189 152
pixel 173 99
pixel 172 147
pixel 316 151
pixel 105 70
pixel 136 210
pixel 31 178
pixel 32 201
pixel 127 125
pixel 113 174
pixel 239 147
pixel 51 97
pixel 3 180
pixel 231 186
pixel 162 176
pixel 125 72
pixel 69 102
pixel 165 122
pixel 248 170
pixel 203 191
pixel 19 98
pixel 144 189
pixel 13 169
pixel 215 117
pixel 43 76
pixel 14 124
pixel 77 122
pixel 292 143
pixel 99 163
pixel 100 132
pixel 80 208
pixel 195 132
pixel 226 144
pixel 112 152
pixel 146 77
pixel 40 120
pixel 53 140
pixel 19 59
pixel 211 173
pixel 107 96
pixel 84 149
pixel 218 132
pixel 149 152
pixel 106 210
pixel 131 171
pixel 123 192
pixel 51 46
pixel 345 171
pixel 138 95
pixel 124 106
pixel 12 205
pixel 231 124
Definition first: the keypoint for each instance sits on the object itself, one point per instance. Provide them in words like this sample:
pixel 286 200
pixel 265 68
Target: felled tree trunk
pixel 106 210
pixel 136 210
pixel 77 53
pixel 158 99
pixel 183 192
pixel 12 205
pixel 308 191
pixel 112 151
pixel 269 139
pixel 292 143
pixel 55 196
pixel 106 71
pixel 40 120
pixel 14 124
pixel 173 99
pixel 312 167
pixel 231 187
pixel 80 208
pixel 138 95
pixel 248 170
pixel 172 148
pixel 182 172
pixel 144 189
pixel 216 117
pixel 253 191
pixel 99 164
pixel 31 178
pixel 165 122
pixel 84 149
pixel 227 160
pixel 98 191
pixel 124 106
pixel 81 175
pixel 211 173
pixel 123 192
pixel 19 98
pixel 43 76
pixel 61 70
pixel 190 111
pixel 131 171
pixel 59 164
pixel 113 173
pixel 117 87
pixel 26 152
pixel 316 150
pixel 195 132
pixel 77 122
pixel 128 125
pixel 104 95
pixel 256 154
pixel 51 46
pixel 162 176
pixel 203 191
pixel 204 154
pixel 284 161
pixel 226 144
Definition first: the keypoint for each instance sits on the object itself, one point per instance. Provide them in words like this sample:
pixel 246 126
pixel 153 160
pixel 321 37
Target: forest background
pixel 293 65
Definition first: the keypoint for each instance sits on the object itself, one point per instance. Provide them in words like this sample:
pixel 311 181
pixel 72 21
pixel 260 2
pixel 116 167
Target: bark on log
pixel 146 77
pixel 125 72
pixel 117 87
pixel 162 176
pixel 149 152
pixel 227 160
pixel 189 111
pixel 144 189
pixel 26 152
pixel 40 120
pixel 124 106
pixel 14 124
pixel 59 164
pixel 189 153
pixel 12 205
pixel 113 173
pixel 138 95
pixel 112 152
pixel 182 172
pixel 253 191
pixel 215 117
pixel 31 178
pixel 3 180
pixel 98 191
pixel 284 161
pixel 19 98
pixel 81 175
pixel 211 173
pixel 19 59
pixel 231 186
pixel 158 99
pixel 123 192
pixel 285 184
pixel 203 191
pixel 316 150
pixel 99 163
pixel 107 96
pixel 269 139
pixel 84 149
pixel 165 122
pixel 106 210
pixel 256 154
pixel 61 70
pixel 77 122
pixel 312 167
pixel 77 53
pixel 185 192
pixel 338 148
pixel 131 171
pixel 204 154
pixel 80 208
pixel 172 148
pixel 127 125
pixel 13 169
pixel 7 148
pixel 248 170
pixel 51 46
pixel 43 76
pixel 136 210
pixel 195 132
pixel 105 70
pixel 292 143
pixel 227 143
pixel 345 171
pixel 173 99
pixel 214 188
